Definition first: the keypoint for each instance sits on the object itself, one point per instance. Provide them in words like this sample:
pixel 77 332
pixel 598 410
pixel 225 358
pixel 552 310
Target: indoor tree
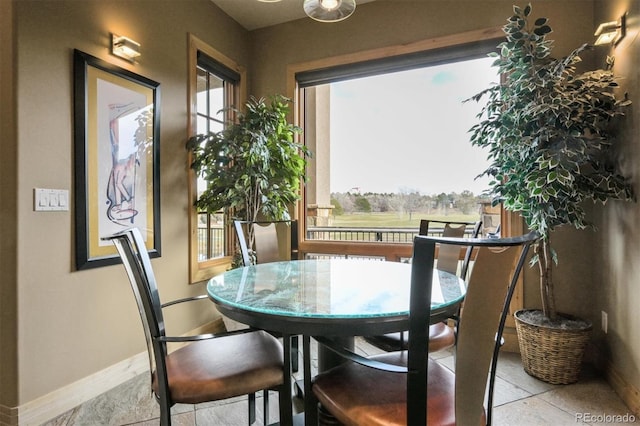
pixel 548 131
pixel 254 167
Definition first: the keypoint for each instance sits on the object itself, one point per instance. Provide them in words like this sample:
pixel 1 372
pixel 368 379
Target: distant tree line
pixel 407 202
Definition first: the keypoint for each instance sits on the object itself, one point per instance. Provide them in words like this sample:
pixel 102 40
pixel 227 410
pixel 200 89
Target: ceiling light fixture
pixel 611 32
pixel 124 47
pixel 329 10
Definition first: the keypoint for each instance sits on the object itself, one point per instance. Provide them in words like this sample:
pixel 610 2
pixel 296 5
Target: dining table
pixel 329 297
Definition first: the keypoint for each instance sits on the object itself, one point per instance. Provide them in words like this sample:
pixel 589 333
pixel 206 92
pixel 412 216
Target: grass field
pixel 394 220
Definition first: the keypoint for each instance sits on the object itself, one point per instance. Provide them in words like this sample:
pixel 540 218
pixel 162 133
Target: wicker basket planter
pixel 553 355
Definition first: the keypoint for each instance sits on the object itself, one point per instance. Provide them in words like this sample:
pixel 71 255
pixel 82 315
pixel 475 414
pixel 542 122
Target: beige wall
pixel 8 212
pixel 617 290
pixel 72 324
pixel 389 23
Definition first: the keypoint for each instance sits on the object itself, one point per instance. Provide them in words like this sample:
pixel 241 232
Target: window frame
pixel 390 251
pixel 203 270
pixel 511 223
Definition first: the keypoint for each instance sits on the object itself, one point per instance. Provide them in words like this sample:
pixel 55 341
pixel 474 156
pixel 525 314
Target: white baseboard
pixel 61 400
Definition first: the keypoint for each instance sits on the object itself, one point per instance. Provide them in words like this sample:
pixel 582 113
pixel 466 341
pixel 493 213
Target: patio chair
pixel 409 388
pixel 209 367
pixel 441 336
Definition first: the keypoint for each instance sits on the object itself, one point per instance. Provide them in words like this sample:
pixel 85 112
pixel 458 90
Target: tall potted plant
pixel 548 132
pixel 254 167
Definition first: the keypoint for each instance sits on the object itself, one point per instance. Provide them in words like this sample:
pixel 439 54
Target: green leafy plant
pixel 548 132
pixel 254 167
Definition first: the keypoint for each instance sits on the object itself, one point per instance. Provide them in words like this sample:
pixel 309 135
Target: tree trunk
pixel 545 264
pixel 252 209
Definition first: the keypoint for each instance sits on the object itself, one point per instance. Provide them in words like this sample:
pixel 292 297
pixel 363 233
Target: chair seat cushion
pixel 224 367
pixel 359 395
pixel 441 337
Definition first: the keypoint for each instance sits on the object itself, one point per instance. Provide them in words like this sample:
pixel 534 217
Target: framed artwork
pixel 117 176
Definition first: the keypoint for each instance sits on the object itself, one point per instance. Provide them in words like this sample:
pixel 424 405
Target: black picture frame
pixel 117 158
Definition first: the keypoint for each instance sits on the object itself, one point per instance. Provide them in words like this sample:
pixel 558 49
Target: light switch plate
pixel 50 199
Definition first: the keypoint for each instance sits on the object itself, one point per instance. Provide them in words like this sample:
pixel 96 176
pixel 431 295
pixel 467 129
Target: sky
pixel 408 131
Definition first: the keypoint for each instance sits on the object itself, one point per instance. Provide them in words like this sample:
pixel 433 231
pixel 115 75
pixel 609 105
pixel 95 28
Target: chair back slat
pixel 498 264
pixel 486 293
pixel 132 249
pixel 267 243
pixel 242 242
pixel 419 314
pixel 449 254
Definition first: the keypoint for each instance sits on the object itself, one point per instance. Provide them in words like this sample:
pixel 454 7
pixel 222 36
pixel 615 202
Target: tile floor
pixel 520 400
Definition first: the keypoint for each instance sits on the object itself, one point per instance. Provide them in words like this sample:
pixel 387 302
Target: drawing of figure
pixel 124 158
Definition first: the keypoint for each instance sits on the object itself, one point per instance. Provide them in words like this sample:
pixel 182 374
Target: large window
pixel 390 146
pixel 215 88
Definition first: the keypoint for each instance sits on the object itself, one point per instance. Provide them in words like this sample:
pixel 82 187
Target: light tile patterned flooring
pixel 520 400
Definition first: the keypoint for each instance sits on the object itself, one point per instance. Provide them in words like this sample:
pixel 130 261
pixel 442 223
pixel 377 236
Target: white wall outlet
pixel 50 199
pixel 605 322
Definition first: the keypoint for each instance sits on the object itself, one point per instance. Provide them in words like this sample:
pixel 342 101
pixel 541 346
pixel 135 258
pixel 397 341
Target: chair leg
pixel 492 376
pixel 310 400
pixel 294 353
pixel 265 407
pixel 284 392
pixel 165 409
pixel 252 408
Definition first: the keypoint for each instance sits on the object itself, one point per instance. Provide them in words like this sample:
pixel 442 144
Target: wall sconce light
pixel 124 47
pixel 611 32
pixel 329 10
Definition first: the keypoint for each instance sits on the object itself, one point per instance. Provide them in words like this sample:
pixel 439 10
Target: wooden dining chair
pixel 407 387
pixel 207 367
pixel 441 335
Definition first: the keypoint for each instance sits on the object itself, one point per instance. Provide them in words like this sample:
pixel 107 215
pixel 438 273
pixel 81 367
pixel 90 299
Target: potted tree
pixel 254 167
pixel 548 132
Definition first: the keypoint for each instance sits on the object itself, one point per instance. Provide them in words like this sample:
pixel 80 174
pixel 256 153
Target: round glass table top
pixel 330 289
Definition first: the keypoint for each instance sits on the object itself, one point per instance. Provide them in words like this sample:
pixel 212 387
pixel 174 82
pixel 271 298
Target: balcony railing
pixel 385 235
pixel 211 240
pixel 210 237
